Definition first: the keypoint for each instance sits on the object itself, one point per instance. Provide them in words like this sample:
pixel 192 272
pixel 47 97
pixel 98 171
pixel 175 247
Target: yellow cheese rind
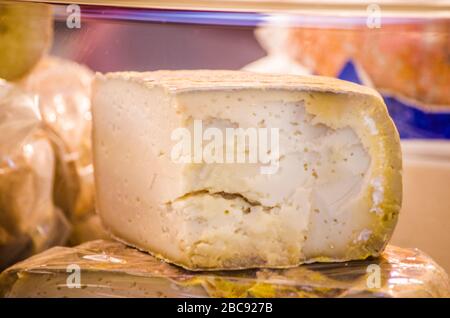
pixel 151 203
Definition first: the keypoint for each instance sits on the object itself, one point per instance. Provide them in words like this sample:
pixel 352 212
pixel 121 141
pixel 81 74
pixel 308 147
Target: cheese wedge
pixel 324 183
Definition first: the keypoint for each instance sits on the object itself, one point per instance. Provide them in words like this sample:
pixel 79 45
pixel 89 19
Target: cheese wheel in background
pixel 410 60
pixel 29 220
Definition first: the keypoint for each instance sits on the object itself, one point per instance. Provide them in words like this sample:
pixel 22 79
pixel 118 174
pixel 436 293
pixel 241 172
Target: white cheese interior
pixel 227 215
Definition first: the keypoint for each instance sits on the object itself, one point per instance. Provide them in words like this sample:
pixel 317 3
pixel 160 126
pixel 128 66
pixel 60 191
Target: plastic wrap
pixel 29 221
pixel 110 269
pixel 64 89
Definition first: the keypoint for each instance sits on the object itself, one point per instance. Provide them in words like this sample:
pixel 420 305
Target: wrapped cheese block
pixel 29 221
pixel 64 90
pixel 232 170
pixel 110 269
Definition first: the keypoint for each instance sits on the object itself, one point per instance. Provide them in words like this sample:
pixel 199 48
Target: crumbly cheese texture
pixel 335 195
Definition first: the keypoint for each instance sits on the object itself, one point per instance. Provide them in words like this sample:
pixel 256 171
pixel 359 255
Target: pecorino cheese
pixel 230 170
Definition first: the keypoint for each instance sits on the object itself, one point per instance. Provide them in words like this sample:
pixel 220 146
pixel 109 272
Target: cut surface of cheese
pixel 324 183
